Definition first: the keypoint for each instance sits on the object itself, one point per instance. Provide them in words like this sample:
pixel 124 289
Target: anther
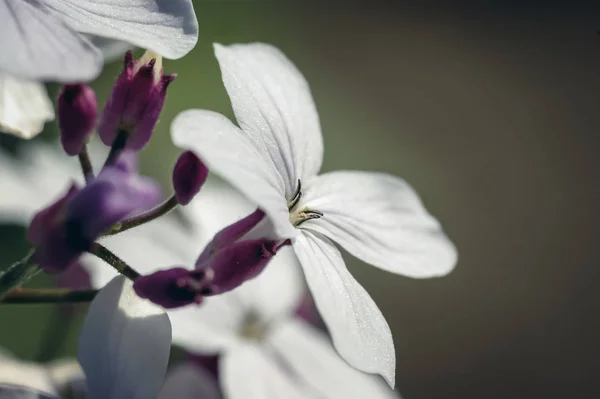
pixel 292 204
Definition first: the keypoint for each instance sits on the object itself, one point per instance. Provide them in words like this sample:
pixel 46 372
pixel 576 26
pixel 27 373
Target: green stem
pixel 18 273
pixel 145 217
pixel 47 295
pixel 86 165
pixel 106 255
pixel 117 146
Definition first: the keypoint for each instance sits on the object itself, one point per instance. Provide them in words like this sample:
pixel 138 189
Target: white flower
pixel 215 326
pixel 264 352
pixel 274 157
pixel 124 344
pixel 41 41
pixel 124 348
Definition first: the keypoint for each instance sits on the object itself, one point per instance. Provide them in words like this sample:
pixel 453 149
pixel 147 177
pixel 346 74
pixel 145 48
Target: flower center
pixel 299 214
pixel 253 328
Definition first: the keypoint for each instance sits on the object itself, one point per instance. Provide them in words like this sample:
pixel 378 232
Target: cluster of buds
pixel 119 196
pixel 226 262
pixel 68 227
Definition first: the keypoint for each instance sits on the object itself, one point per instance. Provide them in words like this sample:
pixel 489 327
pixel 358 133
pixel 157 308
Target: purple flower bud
pixel 136 101
pixel 48 233
pixel 189 174
pixel 231 234
pixel 226 270
pixel 77 111
pixel 69 227
pixel 173 288
pixel 237 263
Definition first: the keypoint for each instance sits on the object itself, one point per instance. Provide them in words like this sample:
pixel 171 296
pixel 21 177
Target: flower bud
pixel 173 288
pixel 231 234
pixel 237 263
pixel 226 270
pixel 77 111
pixel 189 174
pixel 135 102
pixel 69 226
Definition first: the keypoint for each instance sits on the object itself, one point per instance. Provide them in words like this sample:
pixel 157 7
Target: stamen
pixel 292 204
pixel 304 215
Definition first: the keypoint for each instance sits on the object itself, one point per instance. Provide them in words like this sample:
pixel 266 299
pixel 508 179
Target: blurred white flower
pixel 41 40
pixel 124 348
pixel 274 157
pixel 252 327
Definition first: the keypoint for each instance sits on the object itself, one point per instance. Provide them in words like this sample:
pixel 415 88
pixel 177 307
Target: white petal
pixel 208 328
pixel 215 325
pixel 112 49
pixel 124 344
pixel 16 392
pixel 380 219
pixel 359 331
pixel 216 206
pixel 18 201
pixel 310 355
pixel 228 152
pixel 274 107
pixel 38 45
pixel 167 27
pixel 247 372
pixel 189 381
pixel 24 106
pixel 27 375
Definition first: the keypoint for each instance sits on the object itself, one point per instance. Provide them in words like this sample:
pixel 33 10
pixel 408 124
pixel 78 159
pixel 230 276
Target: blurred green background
pixel 491 113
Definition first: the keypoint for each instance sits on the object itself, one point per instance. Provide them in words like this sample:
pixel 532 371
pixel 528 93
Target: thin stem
pixel 47 295
pixel 117 146
pixel 106 255
pixel 18 273
pixel 86 165
pixel 145 217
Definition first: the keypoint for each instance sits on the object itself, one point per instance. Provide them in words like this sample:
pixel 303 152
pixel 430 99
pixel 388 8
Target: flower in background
pixel 255 323
pixel 124 348
pixel 42 41
pixel 264 351
pixel 274 158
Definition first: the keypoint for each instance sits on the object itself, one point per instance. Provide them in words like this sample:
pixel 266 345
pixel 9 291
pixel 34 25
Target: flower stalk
pixel 145 217
pixel 117 263
pixel 18 273
pixel 47 295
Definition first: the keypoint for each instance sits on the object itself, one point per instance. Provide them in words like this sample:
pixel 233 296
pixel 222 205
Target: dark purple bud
pixel 189 174
pixel 135 102
pixel 77 111
pixel 69 227
pixel 231 234
pixel 237 263
pixel 173 288
pixel 48 233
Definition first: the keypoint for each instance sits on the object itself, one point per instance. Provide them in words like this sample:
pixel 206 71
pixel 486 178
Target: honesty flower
pixel 41 41
pixel 263 306
pixel 124 348
pixel 274 157
pixel 263 350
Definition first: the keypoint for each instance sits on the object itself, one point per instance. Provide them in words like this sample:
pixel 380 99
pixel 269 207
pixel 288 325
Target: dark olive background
pixel 491 113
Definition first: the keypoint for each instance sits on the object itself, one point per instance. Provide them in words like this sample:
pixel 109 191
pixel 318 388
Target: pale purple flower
pixel 69 226
pixel 274 158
